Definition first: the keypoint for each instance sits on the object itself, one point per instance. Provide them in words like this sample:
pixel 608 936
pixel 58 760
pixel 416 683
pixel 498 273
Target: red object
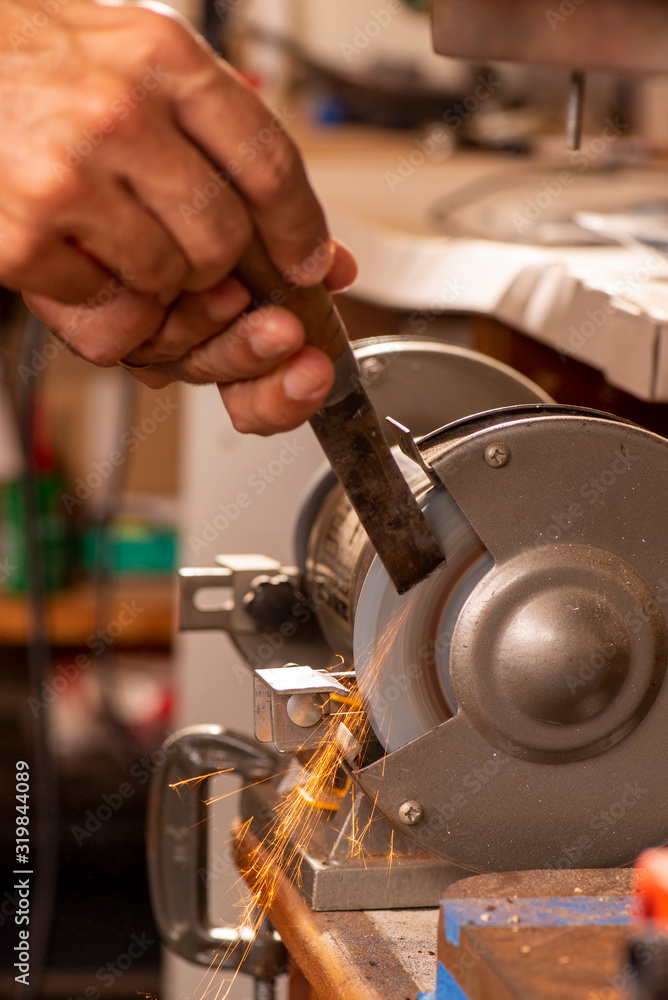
pixel 253 79
pixel 652 887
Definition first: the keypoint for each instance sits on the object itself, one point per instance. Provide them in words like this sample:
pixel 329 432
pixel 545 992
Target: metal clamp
pixel 177 852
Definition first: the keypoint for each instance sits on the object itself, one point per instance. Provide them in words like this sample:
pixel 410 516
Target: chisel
pixel 349 431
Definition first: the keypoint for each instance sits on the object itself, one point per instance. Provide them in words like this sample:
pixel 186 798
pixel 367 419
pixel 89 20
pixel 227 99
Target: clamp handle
pixel 177 845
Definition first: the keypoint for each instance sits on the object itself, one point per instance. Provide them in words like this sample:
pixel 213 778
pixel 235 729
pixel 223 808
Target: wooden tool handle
pixel 349 431
pixel 314 306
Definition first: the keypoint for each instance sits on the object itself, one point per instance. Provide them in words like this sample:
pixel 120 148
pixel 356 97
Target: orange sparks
pixel 321 785
pixel 201 777
pixel 319 789
pixel 390 858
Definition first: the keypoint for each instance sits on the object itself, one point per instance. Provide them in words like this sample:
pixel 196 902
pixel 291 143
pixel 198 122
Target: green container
pixel 54 529
pixel 131 547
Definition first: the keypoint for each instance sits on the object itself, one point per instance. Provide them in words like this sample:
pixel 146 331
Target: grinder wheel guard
pixel 520 692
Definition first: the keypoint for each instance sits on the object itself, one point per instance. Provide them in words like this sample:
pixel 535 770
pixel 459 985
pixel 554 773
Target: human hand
pixel 114 119
pixel 269 381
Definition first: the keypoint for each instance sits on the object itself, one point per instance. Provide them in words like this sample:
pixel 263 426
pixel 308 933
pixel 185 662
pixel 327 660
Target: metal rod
pixel 574 110
pixel 265 989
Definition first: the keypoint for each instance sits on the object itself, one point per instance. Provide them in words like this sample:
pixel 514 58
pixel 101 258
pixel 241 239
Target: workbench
pixel 439 238
pixel 149 603
pixel 548 935
pixel 353 955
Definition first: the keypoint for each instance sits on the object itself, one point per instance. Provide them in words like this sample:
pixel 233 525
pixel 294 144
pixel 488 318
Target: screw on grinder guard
pixel 349 430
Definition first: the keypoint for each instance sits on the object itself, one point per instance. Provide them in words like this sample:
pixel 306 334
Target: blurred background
pixel 107 487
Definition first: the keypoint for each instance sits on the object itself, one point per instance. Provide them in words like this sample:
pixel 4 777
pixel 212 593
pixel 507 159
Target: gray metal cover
pixel 557 754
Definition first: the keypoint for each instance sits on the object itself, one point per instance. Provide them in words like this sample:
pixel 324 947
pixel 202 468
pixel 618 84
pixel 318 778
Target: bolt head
pixel 305 710
pixel 372 370
pixel 497 454
pixel 410 812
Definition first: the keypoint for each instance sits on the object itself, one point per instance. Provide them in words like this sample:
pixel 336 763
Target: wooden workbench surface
pixel 373 955
pixel 538 935
pixel 392 954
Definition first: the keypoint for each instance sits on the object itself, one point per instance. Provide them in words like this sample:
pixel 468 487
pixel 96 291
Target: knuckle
pixel 198 370
pixel 98 97
pixel 214 257
pixel 159 36
pixel 270 419
pixel 280 165
pixel 47 186
pixel 128 113
pixel 98 107
pixel 238 404
pixel 164 271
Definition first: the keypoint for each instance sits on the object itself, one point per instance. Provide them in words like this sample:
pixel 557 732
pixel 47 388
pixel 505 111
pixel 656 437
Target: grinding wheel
pixel 402 644
pixel 520 692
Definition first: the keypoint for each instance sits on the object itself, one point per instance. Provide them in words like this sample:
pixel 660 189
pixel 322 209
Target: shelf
pixel 142 613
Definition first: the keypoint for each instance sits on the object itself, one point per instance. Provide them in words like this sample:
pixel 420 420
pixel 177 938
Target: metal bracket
pixel 292 703
pixel 410 449
pixel 234 577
